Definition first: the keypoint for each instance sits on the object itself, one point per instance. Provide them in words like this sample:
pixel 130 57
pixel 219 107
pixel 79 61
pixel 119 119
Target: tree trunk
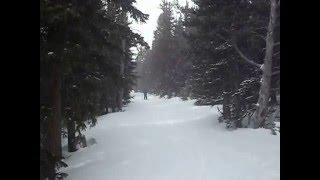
pixel 121 91
pixel 113 105
pixel 237 110
pixel 106 106
pixel 119 100
pixel 51 169
pixel 261 111
pixel 106 109
pixel 54 125
pixel 273 98
pixel 226 106
pixel 236 97
pixel 71 135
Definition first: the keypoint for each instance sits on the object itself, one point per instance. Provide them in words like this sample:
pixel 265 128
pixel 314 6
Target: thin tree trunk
pixel 119 99
pixel 114 103
pixel 54 125
pixel 71 129
pixel 226 106
pixel 273 98
pixel 236 97
pixel 237 110
pixel 71 135
pixel 261 111
pixel 106 109
pixel 51 169
pixel 121 91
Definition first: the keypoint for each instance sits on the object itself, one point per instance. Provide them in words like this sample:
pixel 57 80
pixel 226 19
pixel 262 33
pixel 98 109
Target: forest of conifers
pixel 218 52
pixel 224 52
pixel 86 69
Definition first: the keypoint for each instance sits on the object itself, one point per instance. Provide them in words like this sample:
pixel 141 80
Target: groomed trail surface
pixel 171 139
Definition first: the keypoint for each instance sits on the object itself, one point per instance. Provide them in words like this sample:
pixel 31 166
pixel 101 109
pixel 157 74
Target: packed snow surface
pixel 171 139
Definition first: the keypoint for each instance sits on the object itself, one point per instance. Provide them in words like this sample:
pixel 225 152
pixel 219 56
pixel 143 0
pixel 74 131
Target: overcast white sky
pixel 151 7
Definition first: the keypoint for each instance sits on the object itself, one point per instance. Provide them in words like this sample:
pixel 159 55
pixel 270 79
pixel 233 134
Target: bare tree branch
pixel 275 72
pixel 234 44
pixel 275 44
pixel 244 57
pixel 277 53
pixel 219 110
pixel 276 67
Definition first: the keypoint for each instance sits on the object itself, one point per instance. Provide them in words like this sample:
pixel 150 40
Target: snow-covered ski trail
pixel 171 139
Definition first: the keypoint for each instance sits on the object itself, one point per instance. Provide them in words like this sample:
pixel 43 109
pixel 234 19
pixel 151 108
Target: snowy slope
pixel 161 139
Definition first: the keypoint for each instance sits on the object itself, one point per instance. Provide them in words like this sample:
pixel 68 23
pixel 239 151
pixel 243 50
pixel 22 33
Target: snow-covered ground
pixel 171 139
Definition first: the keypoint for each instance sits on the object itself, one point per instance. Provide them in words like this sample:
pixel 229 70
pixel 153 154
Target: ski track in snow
pixel 171 139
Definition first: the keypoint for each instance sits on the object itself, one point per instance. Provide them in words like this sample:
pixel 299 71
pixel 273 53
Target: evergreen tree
pixel 162 51
pixel 219 73
pixel 85 63
pixel 165 68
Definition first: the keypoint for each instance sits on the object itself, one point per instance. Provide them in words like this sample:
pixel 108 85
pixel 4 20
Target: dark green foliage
pixel 164 69
pixel 194 55
pixel 83 40
pixel 219 75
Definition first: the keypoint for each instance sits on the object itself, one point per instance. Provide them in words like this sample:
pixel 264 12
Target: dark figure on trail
pixel 145 95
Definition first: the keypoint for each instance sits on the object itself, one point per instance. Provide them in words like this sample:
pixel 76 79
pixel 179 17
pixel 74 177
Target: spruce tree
pixel 79 75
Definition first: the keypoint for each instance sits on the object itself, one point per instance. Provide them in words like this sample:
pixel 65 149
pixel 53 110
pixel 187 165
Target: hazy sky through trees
pixel 151 7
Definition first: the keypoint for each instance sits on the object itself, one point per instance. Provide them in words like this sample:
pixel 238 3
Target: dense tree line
pixel 86 68
pixel 219 52
pixel 163 70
